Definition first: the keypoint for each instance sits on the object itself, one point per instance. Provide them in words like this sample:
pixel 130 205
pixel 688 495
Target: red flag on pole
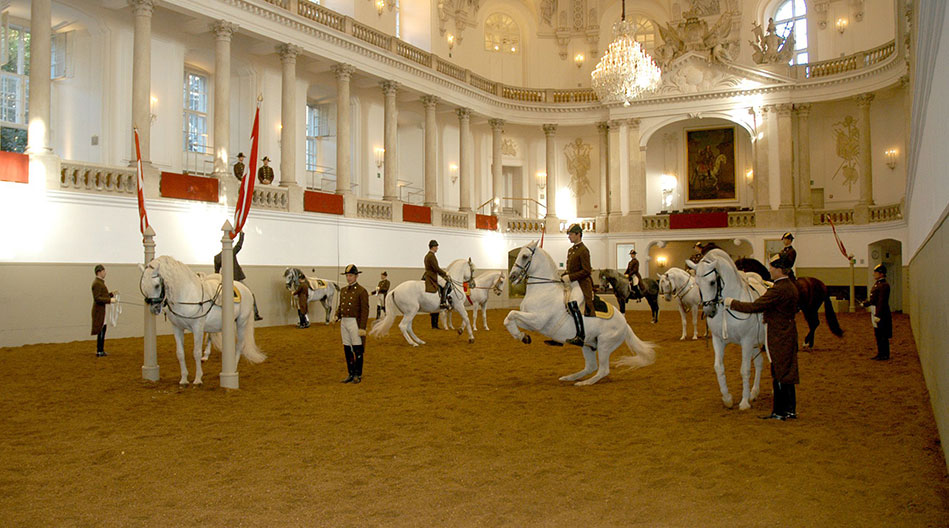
pixel 543 230
pixel 142 216
pixel 246 194
pixel 840 245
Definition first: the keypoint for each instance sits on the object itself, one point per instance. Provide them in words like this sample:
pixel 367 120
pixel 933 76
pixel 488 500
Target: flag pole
pixel 149 352
pixel 853 307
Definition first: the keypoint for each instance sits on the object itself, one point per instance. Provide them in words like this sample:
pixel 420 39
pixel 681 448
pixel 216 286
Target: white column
pixel 464 158
pixel 288 115
pixel 804 154
pixel 762 197
pixel 637 176
pixel 603 128
pixel 866 156
pixel 343 73
pixel 550 131
pixel 613 153
pixel 150 359
pixel 39 98
pixel 624 167
pixel 142 77
pixel 390 175
pixel 497 183
pixel 786 182
pixel 431 137
pixel 229 376
pixel 223 31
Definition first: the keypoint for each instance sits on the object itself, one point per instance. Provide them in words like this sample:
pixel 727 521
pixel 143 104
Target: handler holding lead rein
pixel 779 305
pixel 579 270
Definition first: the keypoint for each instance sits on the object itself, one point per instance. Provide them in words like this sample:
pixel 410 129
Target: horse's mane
pixel 174 273
pixel 753 265
pixel 457 263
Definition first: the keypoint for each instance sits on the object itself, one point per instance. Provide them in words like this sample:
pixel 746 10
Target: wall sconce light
pixel 380 154
pixel 451 43
pixel 891 156
pixel 668 184
pixel 380 6
pixel 661 261
pixel 152 116
pixel 841 25
pixel 541 180
pixel 453 172
pixel 578 60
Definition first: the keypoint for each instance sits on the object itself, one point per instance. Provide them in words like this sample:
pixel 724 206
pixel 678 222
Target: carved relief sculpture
pixel 509 148
pixel 847 139
pixel 771 48
pixel 578 165
pixel 693 34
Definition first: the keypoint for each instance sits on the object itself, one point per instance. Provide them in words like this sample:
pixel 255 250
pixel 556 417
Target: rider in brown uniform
pixel 303 305
pixel 779 305
pixel 789 254
pixel 883 321
pixel 632 270
pixel 432 272
pixel 579 270
pixel 265 172
pixel 101 296
pixel 382 289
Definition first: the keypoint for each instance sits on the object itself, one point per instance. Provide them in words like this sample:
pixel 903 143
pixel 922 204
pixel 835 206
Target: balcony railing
pixel 88 177
pixel 655 222
pixel 453 219
pixel 741 219
pixel 886 213
pixel 267 197
pixel 527 225
pixel 837 216
pixel 373 209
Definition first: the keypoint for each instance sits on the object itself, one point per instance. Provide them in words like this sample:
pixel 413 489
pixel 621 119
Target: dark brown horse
pixel 811 294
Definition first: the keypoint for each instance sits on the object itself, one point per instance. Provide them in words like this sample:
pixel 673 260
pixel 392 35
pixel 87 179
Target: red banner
pixel 320 202
pixel 489 222
pixel 246 194
pixel 840 245
pixel 142 216
pixel 698 220
pixel 416 213
pixel 188 187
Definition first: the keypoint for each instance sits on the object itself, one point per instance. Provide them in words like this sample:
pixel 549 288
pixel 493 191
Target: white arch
pixel 647 132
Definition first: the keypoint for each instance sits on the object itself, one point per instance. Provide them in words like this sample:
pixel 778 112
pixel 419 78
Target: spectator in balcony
pixel 265 172
pixel 239 167
pixel 788 253
pixel 101 296
pixel 238 271
pixel 880 317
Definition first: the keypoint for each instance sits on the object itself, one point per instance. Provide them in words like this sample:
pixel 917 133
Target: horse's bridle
pixel 152 301
pixel 719 286
pixel 526 267
pixel 162 300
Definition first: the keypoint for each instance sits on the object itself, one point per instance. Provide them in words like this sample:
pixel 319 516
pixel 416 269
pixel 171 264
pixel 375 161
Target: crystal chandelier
pixel 625 71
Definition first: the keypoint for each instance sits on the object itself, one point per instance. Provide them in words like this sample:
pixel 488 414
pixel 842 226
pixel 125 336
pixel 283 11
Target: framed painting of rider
pixel 710 161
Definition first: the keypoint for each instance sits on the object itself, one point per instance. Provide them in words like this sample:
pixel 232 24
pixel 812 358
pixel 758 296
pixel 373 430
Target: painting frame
pixel 711 161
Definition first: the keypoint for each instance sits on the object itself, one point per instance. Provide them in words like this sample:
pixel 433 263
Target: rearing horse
pixel 544 310
pixel 717 278
pixel 811 294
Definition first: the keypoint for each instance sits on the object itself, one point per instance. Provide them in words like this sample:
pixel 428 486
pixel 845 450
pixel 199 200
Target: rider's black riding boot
pixel 257 316
pixel 434 317
pixel 790 408
pixel 445 292
pixel 358 351
pixel 378 310
pixel 303 321
pixel 350 362
pixel 578 321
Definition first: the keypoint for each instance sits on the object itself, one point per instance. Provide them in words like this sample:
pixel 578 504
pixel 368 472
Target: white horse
pixel 193 303
pixel 681 284
pixel 323 290
pixel 477 296
pixel 543 310
pixel 717 278
pixel 410 298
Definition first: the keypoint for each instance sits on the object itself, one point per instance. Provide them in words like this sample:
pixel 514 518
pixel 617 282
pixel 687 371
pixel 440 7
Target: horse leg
pixel 685 321
pixel 459 307
pixel 484 312
pixel 654 306
pixel 405 325
pixel 207 349
pixel 759 363
pixel 327 308
pixel 198 333
pixel 516 320
pixel 719 346
pixel 813 321
pixel 695 324
pixel 746 353
pixel 589 359
pixel 180 352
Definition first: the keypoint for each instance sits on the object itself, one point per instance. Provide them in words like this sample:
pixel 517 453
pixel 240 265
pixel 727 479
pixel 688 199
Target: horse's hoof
pixel 526 339
pixel 182 384
pixel 460 331
pixel 682 338
pixel 728 401
pixel 470 341
pixel 744 406
pixel 197 384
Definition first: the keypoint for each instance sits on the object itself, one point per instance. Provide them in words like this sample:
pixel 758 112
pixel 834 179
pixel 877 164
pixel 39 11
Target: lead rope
pixel 112 311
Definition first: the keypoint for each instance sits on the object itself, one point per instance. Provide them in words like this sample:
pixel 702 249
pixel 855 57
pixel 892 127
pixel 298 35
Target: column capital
pixel 288 53
pixel 142 7
pixel 616 123
pixel 497 125
pixel 904 81
pixel 864 99
pixel 633 122
pixel 223 30
pixel 550 129
pixel 802 109
pixel 784 109
pixel 343 71
pixel 389 87
pixel 464 114
pixel 768 108
pixel 429 101
pixel 603 127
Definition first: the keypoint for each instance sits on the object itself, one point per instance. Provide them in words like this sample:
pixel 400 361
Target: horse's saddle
pixel 219 299
pixel 602 309
pixel 756 282
pixel 317 284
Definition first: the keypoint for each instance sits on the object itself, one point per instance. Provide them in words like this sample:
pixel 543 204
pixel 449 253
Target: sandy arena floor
pixel 452 434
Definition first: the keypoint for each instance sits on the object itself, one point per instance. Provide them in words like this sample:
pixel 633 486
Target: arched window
pixel 501 34
pixel 645 33
pixel 793 13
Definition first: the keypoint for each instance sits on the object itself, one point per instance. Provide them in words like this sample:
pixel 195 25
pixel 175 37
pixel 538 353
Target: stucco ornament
pixel 847 138
pixel 578 165
pixel 770 47
pixel 692 34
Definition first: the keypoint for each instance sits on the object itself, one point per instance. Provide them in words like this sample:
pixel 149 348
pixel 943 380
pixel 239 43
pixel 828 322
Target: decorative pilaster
pixel 431 136
pixel 550 131
pixel 223 31
pixel 614 152
pixel 464 158
pixel 603 131
pixel 39 94
pixel 390 175
pixel 762 169
pixel 637 173
pixel 288 114
pixel 785 157
pixel 497 184
pixel 141 77
pixel 804 155
pixel 866 155
pixel 624 166
pixel 343 73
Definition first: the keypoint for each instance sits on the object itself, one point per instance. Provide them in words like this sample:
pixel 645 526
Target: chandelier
pixel 625 71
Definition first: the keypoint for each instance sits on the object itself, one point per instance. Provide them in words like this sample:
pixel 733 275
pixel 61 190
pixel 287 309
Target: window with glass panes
pixel 196 113
pixel 312 136
pixel 793 14
pixel 14 89
pixel 645 34
pixel 501 34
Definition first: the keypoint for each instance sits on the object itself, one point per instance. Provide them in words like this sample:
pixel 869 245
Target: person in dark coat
pixel 303 302
pixel 353 314
pixel 239 167
pixel 779 305
pixel 382 289
pixel 265 172
pixel 101 296
pixel 788 253
pixel 632 270
pixel 432 272
pixel 696 253
pixel 238 271
pixel 880 316
pixel 708 246
pixel 580 271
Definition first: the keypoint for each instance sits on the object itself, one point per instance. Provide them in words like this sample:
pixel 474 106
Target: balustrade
pixel 266 197
pixel 372 36
pixel 321 15
pixel 524 225
pixel 837 216
pixel 574 96
pixel 741 219
pixel 587 224
pixel 97 178
pixel 886 213
pixel 373 209
pixel 453 219
pixel 522 94
pixel 413 54
pixel 481 83
pixel 655 222
pixel 450 69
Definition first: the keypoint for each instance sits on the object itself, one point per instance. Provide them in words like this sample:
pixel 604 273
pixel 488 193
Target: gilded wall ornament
pixel 847 138
pixel 509 148
pixel 578 165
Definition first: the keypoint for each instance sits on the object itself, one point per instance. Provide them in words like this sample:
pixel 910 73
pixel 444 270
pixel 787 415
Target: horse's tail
pixel 381 326
pixel 831 317
pixel 645 352
pixel 250 351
